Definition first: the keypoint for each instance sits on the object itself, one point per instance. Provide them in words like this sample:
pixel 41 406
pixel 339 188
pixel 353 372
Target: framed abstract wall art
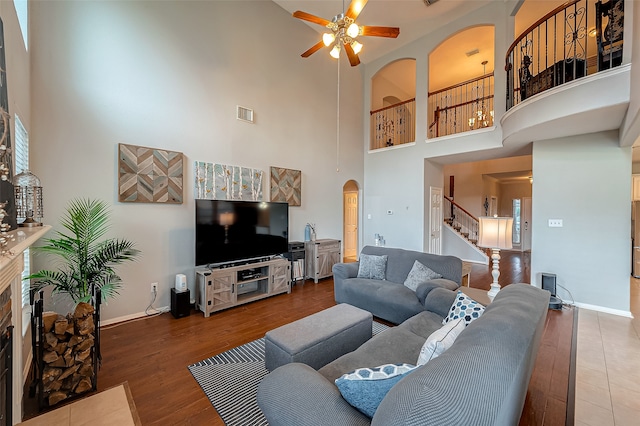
pixel 286 185
pixel 149 175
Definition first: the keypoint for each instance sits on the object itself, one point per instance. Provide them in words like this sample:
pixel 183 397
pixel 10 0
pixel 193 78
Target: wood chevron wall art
pixel 222 182
pixel 149 175
pixel 286 186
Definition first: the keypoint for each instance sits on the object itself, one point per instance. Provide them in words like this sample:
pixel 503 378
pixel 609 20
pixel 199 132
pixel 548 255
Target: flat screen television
pixel 230 231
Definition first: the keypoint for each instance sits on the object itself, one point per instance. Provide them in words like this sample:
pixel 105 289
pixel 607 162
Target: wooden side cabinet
pixel 320 256
pixel 221 288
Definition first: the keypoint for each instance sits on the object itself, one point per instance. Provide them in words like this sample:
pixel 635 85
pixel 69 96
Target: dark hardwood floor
pixel 152 354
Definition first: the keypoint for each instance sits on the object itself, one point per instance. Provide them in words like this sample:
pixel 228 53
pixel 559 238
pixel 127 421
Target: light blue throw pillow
pixel 419 274
pixel 372 266
pixel 365 388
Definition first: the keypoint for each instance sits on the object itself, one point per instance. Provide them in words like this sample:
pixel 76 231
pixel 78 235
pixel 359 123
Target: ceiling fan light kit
pixel 344 32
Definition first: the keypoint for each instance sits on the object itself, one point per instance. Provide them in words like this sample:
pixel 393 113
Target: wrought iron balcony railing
pixel 462 107
pixel 393 125
pixel 567 43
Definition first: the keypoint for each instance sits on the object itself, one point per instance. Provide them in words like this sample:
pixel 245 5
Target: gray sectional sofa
pixel 481 379
pixel 390 299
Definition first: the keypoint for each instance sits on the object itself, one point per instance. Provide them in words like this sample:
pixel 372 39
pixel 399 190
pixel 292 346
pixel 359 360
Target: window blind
pixel 21 161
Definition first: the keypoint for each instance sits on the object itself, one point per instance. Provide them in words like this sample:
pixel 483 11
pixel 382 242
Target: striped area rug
pixel 230 380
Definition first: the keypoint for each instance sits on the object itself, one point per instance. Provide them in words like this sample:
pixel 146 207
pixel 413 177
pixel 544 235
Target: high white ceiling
pixel 414 18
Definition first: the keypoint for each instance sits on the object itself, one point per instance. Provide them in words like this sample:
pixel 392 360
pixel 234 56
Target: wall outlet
pixel 154 287
pixel 555 223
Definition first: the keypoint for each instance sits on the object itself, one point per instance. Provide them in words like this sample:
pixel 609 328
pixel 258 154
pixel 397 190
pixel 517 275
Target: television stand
pixel 229 286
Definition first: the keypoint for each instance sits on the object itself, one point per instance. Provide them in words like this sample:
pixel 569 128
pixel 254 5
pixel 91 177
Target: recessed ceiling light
pixel 593 32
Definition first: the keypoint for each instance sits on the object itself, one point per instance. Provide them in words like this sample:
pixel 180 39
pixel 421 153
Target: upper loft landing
pixel 567 72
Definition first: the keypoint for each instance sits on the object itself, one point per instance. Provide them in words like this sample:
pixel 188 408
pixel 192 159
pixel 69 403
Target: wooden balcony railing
pixel 567 43
pixel 462 107
pixel 393 125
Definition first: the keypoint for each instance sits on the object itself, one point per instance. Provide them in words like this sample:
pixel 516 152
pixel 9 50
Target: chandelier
pixel 344 30
pixel 480 118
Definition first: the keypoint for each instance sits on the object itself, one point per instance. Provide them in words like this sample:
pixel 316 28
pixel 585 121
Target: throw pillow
pixel 464 307
pixel 419 274
pixel 371 266
pixel 365 388
pixel 440 340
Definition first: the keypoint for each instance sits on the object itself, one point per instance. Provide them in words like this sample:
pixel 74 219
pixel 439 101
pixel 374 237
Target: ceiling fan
pixel 344 32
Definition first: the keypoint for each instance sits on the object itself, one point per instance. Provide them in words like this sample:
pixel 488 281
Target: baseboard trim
pixel 104 323
pixel 618 312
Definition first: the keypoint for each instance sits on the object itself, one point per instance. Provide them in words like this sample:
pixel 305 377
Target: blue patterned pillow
pixel 365 388
pixel 464 307
pixel 373 267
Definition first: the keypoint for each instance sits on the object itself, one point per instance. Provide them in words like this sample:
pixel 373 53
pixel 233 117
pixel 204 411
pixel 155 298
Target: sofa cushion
pixel 419 274
pixel 395 345
pixel 365 388
pixel 400 262
pixel 464 307
pixel 384 299
pixel 372 267
pixel 440 340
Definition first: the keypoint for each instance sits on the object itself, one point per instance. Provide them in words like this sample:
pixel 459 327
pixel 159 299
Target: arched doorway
pixel 350 220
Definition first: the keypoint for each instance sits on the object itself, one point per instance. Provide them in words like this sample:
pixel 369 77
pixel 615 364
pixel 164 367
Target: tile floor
pixel 608 367
pixel 110 407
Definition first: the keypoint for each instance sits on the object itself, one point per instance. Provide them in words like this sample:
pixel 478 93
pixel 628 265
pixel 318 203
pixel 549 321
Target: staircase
pixel 462 222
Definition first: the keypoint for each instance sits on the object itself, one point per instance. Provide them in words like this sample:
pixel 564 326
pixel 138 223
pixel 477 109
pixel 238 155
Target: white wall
pixel 584 181
pixel 396 179
pixel 169 75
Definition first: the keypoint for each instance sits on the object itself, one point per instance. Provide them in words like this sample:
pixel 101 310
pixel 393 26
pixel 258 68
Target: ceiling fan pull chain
pixel 338 121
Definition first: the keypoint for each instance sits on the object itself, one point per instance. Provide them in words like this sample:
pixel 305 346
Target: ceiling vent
pixel 472 52
pixel 429 2
pixel 244 114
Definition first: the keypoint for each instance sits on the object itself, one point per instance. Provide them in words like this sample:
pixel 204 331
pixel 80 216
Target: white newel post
pixel 11 267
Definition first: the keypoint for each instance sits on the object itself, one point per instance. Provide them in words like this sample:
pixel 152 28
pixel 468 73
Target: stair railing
pixel 461 220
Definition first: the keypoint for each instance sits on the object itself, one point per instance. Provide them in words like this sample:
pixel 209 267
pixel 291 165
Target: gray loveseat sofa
pixel 482 379
pixel 390 299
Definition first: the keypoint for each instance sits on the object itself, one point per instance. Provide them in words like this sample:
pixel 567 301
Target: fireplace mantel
pixel 23 239
pixel 11 267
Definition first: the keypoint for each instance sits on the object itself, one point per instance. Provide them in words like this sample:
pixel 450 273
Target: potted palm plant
pixel 67 348
pixel 87 262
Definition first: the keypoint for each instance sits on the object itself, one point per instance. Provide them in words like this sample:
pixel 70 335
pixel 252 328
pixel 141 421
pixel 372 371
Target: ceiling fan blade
pixel 319 45
pixel 372 31
pixel 355 8
pixel 353 57
pixel 311 18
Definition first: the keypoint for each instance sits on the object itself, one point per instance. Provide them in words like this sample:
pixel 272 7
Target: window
pixel 516 221
pixel 23 20
pixel 21 161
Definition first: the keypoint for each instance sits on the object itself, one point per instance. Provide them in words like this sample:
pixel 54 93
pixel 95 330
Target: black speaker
pixel 180 306
pixel 549 283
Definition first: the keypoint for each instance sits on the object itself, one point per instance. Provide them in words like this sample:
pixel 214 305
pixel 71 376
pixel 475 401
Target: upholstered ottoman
pixel 319 338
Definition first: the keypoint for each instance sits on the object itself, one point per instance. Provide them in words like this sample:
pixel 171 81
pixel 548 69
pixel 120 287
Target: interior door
pixel 435 220
pixel 350 224
pixel 525 224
